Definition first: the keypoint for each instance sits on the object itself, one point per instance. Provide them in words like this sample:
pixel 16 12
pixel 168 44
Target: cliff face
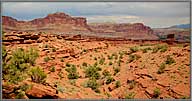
pixel 61 22
pixel 56 21
pixel 131 28
pixel 134 31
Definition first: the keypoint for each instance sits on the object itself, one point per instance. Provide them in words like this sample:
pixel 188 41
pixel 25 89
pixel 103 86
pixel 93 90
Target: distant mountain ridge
pixel 61 22
pixel 184 26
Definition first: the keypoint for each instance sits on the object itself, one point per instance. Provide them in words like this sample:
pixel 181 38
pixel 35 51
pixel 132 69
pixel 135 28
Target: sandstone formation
pixel 61 22
pixel 52 22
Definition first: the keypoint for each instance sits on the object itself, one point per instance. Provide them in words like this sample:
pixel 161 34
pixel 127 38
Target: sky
pixel 153 14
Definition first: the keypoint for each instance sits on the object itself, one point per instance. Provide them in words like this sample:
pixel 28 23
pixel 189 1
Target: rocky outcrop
pixel 52 22
pixel 126 30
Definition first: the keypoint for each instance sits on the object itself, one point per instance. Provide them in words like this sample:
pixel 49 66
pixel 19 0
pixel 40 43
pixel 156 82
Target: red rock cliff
pixel 60 21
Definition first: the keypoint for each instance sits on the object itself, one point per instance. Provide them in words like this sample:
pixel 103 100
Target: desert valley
pixel 64 57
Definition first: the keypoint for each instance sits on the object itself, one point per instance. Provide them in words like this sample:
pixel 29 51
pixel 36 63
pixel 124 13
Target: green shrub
pixel 155 50
pixel 32 56
pixel 110 57
pixel 117 84
pixel 95 64
pixel 84 64
pixel 121 55
pixel 20 95
pixel 130 95
pixel 133 57
pixel 62 60
pixel 134 49
pixel 92 83
pixel 73 76
pixel 15 66
pixel 71 69
pixel 54 49
pixel 96 50
pixel 116 70
pixel 146 49
pixel 109 80
pixel 102 61
pixel 46 59
pixel 162 48
pixel 92 72
pixel 37 75
pixel 68 64
pixel 52 69
pixel 106 73
pixel 110 63
pixel 60 89
pixel 132 84
pixel 84 50
pixel 72 82
pixel 46 46
pixel 169 60
pixel 156 92
pixel 161 68
pixel 60 75
pixel 95 58
pixel 184 97
pixel 97 90
pixel 72 72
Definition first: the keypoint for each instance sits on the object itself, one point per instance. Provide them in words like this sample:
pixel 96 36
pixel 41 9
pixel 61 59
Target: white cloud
pixel 151 13
pixel 115 19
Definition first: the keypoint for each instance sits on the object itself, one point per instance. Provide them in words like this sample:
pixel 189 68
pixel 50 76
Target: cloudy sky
pixel 153 14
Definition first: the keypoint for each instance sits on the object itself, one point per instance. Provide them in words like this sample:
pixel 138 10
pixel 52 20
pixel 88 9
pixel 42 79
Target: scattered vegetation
pixel 95 58
pixel 84 64
pixel 161 68
pixel 62 60
pixel 37 75
pixel 46 59
pixel 185 97
pixel 52 69
pixel 102 61
pixel 60 89
pixel 133 57
pixel 67 64
pixel 72 70
pixel 16 69
pixel 92 83
pixel 16 66
pixel 156 92
pixel 117 84
pixel 84 51
pixel 169 60
pixel 110 63
pixel 161 48
pixel 92 72
pixel 132 84
pixel 54 49
pixel 46 46
pixel 60 74
pixel 134 49
pixel 106 73
pixel 72 82
pixel 109 80
pixel 110 57
pixel 130 95
pixel 116 70
pixel 145 50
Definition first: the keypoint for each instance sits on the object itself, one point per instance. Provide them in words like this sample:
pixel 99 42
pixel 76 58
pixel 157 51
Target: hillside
pixel 63 23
